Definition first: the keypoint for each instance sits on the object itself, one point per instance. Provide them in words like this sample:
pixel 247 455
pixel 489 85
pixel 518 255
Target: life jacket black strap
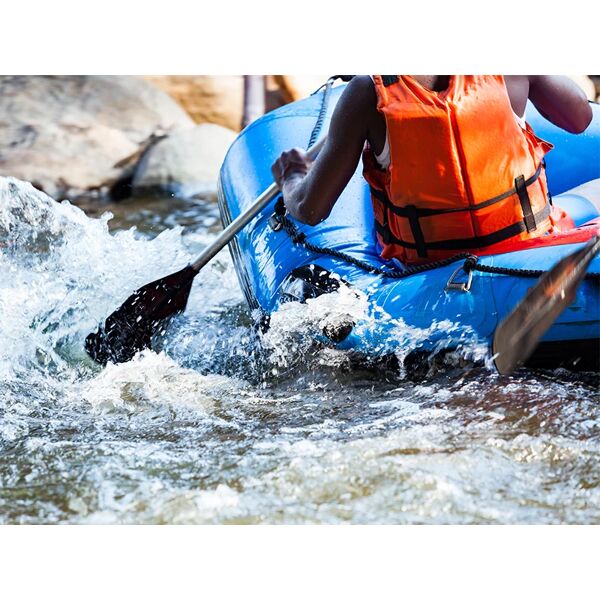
pixel 528 217
pixel 417 232
pixel 402 211
pixel 463 243
pixel 548 189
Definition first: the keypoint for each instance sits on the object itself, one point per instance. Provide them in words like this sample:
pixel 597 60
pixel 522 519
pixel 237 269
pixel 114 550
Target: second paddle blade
pixel 518 335
pixel 143 315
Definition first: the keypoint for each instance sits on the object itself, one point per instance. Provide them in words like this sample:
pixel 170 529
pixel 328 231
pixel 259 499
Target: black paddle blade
pixel 519 333
pixel 144 314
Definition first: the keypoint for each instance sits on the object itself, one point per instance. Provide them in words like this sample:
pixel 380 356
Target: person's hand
pixel 290 165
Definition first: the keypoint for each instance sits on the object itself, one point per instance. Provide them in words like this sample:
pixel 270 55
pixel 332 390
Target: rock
pixel 185 163
pixel 596 81
pixel 73 135
pixel 220 99
pixel 586 84
pixel 294 87
pixel 206 98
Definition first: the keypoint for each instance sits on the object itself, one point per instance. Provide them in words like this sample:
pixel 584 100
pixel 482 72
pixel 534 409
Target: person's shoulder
pixel 360 94
pixel 362 87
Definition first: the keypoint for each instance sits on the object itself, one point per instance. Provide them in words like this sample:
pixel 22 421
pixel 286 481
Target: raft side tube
pixel 265 257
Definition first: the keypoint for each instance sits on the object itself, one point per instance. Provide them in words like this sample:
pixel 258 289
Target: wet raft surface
pixel 222 427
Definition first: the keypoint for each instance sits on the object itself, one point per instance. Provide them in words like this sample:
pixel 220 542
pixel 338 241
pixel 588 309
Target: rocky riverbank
pixel 113 137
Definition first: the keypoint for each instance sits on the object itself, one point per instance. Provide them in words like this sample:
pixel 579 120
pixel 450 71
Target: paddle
pixel 517 336
pixel 147 311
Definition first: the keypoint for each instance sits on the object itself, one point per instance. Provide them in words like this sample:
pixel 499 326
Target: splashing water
pixel 230 425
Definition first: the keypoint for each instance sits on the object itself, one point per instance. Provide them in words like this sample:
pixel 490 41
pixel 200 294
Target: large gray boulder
pixel 185 163
pixel 72 135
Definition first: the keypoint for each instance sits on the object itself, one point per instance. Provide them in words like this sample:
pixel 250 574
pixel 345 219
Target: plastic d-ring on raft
pixel 264 256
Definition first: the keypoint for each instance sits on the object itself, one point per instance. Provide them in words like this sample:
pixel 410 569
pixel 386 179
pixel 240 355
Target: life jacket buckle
pixel 460 285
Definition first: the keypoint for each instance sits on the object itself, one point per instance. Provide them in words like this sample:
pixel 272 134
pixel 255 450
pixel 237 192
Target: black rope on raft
pixel 280 210
pixel 471 260
pixel 322 112
pixel 299 238
pixel 523 272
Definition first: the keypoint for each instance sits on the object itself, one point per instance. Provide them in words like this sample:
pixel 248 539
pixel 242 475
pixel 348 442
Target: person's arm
pixel 311 189
pixel 561 101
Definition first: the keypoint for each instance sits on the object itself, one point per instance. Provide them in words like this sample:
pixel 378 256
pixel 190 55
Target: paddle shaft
pixel 242 220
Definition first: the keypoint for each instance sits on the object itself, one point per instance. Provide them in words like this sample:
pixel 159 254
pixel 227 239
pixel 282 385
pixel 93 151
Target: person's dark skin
pixel 310 189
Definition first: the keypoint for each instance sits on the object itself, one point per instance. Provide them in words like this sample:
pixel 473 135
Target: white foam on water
pixel 152 378
pixel 295 326
pixel 62 273
pixel 183 436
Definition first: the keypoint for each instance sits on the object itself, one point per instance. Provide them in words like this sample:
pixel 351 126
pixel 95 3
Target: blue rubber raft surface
pixel 264 257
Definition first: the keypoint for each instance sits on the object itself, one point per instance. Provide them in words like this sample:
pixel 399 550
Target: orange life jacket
pixel 463 174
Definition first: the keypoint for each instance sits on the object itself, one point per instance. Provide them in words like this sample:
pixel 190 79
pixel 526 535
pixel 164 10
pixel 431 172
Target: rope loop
pixel 470 263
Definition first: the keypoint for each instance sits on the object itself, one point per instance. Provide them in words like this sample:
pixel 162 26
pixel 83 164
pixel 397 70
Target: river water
pixel 228 425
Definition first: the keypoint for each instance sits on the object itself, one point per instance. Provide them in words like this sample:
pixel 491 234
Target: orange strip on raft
pixel 583 233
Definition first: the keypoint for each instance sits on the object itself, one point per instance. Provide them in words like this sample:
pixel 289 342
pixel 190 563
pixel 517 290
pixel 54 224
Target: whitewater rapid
pixel 227 424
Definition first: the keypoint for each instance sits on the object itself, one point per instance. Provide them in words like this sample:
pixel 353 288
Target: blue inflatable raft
pixel 273 269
